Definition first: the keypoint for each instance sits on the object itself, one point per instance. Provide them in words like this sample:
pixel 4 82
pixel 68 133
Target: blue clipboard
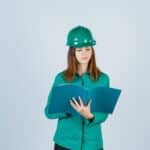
pixel 104 99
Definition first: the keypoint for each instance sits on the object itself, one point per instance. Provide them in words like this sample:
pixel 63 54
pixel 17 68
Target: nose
pixel 84 51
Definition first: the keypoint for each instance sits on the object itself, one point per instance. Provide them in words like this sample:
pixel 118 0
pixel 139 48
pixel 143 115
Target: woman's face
pixel 83 54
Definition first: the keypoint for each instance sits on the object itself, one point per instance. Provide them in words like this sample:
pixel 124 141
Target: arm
pixel 57 80
pixel 98 117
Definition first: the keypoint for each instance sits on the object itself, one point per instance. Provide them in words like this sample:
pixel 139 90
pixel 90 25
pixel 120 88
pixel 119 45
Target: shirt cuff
pixel 91 119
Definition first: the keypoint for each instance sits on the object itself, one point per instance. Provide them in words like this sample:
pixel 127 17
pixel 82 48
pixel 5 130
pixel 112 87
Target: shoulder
pixel 59 74
pixel 104 75
pixel 59 77
pixel 104 78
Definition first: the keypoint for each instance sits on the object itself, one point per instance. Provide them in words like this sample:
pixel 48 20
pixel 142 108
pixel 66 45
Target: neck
pixel 82 68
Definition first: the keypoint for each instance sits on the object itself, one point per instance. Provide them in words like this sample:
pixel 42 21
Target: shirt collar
pixel 85 73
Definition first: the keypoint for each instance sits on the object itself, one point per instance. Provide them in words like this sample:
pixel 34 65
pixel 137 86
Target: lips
pixel 84 57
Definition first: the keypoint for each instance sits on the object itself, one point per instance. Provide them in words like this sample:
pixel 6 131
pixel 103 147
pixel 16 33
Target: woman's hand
pixel 84 110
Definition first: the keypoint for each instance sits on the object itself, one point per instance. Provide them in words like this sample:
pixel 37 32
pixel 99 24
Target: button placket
pixel 82 82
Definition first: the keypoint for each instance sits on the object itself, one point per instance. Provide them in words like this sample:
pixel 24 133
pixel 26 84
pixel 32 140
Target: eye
pixel 78 50
pixel 88 49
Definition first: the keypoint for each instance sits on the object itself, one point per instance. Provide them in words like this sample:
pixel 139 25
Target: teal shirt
pixel 74 132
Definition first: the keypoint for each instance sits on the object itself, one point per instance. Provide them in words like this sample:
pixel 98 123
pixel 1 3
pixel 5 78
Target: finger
pixel 76 103
pixel 73 105
pixel 81 102
pixel 89 103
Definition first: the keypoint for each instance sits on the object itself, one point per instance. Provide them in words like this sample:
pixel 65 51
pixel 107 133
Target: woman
pixel 74 132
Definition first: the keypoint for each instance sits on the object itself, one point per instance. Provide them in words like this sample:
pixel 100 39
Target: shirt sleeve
pixel 56 81
pixel 99 117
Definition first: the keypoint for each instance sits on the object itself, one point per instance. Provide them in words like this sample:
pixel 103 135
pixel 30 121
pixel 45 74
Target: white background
pixel 32 50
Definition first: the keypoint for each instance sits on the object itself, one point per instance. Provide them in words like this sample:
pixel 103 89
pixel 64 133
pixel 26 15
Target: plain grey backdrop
pixel 32 50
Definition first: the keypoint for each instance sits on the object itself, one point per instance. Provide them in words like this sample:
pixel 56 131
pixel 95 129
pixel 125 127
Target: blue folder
pixel 103 99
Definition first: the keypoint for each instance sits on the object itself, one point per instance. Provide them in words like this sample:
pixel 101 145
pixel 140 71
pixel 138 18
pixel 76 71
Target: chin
pixel 83 62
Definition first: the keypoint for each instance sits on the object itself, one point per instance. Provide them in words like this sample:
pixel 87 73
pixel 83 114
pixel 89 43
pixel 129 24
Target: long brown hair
pixel 72 67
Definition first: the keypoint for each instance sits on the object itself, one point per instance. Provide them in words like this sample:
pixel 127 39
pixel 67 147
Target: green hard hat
pixel 80 36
